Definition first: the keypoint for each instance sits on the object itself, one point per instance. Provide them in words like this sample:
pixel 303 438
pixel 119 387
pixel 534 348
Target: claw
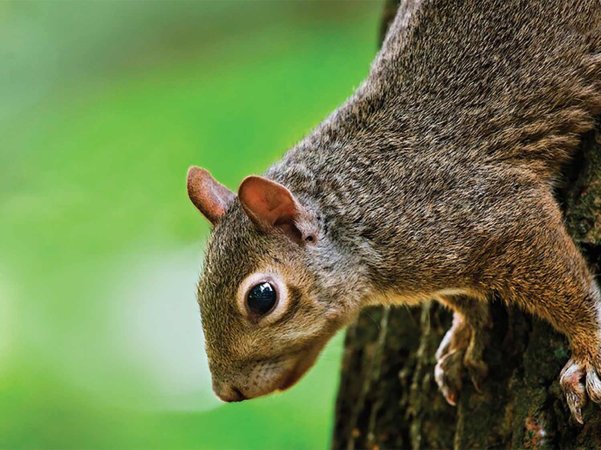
pixel 571 380
pixel 459 348
pixel 447 374
pixel 450 397
pixel 576 412
pixel 448 393
pixel 593 385
pixel 478 370
pixel 476 382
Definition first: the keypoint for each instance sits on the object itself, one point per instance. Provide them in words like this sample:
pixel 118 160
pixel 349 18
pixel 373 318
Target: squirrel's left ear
pixel 270 205
pixel 208 195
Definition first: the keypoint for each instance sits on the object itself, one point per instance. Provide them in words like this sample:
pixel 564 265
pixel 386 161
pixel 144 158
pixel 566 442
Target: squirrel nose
pixel 229 393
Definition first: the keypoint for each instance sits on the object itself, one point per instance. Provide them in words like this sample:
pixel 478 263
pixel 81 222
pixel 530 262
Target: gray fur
pixel 435 179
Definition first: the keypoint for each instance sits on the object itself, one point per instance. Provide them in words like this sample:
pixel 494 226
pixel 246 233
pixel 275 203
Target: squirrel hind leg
pixel 462 346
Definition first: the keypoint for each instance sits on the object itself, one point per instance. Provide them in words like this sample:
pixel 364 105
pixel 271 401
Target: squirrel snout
pixel 229 393
pixel 243 383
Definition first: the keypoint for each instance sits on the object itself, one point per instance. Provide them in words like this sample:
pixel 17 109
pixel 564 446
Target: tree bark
pixel 388 398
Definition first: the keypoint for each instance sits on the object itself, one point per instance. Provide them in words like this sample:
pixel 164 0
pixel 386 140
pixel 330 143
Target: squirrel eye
pixel 261 298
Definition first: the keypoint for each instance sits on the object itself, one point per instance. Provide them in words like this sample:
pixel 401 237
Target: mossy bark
pixel 388 398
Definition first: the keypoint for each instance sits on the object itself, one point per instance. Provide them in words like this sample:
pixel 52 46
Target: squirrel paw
pixel 577 378
pixel 458 349
pixel 447 373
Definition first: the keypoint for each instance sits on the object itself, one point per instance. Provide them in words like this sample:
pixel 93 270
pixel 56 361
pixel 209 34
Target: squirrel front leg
pixel 463 345
pixel 552 281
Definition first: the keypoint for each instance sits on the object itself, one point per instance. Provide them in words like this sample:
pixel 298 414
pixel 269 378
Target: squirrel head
pixel 268 293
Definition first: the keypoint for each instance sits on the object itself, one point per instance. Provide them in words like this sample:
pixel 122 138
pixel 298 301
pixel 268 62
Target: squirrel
pixel 434 180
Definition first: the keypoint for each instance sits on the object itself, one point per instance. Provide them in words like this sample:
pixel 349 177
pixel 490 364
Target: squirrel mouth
pixel 291 379
pixel 304 363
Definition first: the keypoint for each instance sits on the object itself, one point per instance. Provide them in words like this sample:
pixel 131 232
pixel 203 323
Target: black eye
pixel 261 298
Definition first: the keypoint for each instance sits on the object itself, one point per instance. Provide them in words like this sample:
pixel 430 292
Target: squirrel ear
pixel 270 205
pixel 210 197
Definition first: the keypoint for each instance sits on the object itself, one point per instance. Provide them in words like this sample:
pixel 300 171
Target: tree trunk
pixel 388 398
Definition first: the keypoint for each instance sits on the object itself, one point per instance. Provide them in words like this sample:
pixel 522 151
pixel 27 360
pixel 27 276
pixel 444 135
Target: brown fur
pixel 434 180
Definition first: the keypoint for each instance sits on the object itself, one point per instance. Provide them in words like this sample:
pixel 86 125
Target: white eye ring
pixel 250 282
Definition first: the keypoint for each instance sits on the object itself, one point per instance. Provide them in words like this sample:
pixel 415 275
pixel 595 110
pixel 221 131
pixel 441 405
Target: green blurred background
pixel 103 106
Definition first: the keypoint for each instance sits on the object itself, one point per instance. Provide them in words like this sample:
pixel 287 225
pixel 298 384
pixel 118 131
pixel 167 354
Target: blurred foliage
pixel 104 106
